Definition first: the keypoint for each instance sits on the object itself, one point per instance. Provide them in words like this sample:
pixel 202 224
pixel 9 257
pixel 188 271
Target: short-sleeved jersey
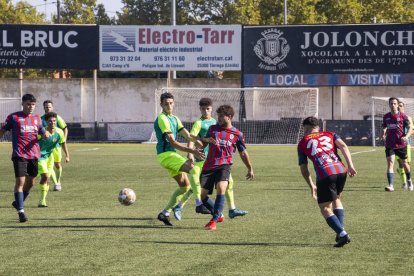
pixel 320 148
pixel 166 124
pixel 25 129
pixel 396 125
pixel 47 146
pixel 200 128
pixel 228 139
pixel 60 123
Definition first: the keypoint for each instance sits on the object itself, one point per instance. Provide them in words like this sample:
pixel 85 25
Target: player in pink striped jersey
pixel 321 149
pixel 25 127
pixel 396 130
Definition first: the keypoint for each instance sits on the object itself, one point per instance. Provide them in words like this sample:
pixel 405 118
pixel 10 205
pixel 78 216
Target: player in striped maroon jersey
pixel 25 127
pixel 321 149
pixel 224 139
pixel 396 130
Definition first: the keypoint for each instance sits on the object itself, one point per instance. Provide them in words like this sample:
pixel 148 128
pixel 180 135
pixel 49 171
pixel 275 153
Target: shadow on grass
pixel 261 244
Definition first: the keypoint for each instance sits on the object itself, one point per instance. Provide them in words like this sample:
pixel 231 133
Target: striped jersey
pixel 396 125
pixel 228 139
pixel 166 124
pixel 200 128
pixel 25 129
pixel 48 145
pixel 320 148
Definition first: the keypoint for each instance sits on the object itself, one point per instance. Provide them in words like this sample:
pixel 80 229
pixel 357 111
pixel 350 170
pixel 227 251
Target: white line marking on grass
pixel 358 152
pixel 91 149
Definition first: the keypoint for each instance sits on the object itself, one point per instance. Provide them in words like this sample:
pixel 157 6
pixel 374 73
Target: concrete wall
pixel 132 100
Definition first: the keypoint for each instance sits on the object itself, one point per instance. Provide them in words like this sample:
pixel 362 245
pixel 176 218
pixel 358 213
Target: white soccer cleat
pixel 57 188
pixel 389 189
pixel 410 186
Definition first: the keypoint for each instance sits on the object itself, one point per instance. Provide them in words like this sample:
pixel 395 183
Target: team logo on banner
pixel 272 49
pixel 121 40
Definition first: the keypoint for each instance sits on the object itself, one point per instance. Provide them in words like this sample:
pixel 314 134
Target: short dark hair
pixel 205 102
pixel 311 121
pixel 166 95
pixel 393 98
pixel 47 102
pixel 28 97
pixel 226 110
pixel 50 115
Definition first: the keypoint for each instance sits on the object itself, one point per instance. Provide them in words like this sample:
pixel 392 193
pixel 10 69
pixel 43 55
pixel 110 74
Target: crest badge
pixel 272 49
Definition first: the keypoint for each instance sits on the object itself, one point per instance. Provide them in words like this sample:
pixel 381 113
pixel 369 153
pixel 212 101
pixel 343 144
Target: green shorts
pixel 57 154
pixel 408 154
pixel 45 165
pixel 171 161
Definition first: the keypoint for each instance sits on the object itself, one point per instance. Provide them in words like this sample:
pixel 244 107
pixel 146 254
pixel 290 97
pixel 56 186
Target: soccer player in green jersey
pixel 167 126
pixel 401 170
pixel 199 129
pixel 57 152
pixel 47 146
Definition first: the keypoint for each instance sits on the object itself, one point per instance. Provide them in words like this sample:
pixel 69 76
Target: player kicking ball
pixel 321 149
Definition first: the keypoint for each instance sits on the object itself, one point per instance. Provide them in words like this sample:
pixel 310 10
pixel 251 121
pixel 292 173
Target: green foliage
pixel 85 231
pixel 77 12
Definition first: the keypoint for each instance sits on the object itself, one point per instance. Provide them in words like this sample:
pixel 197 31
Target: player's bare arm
pixel 383 133
pixel 244 155
pixel 177 145
pixel 345 152
pixel 66 151
pixel 189 137
pixel 307 176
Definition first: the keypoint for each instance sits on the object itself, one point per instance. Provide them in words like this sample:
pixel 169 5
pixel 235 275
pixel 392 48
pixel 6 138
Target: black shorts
pixel 208 179
pixel 24 167
pixel 329 188
pixel 401 153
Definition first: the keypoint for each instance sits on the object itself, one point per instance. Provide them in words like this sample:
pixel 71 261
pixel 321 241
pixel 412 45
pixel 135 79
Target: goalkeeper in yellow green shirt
pixel 46 161
pixel 199 129
pixel 400 170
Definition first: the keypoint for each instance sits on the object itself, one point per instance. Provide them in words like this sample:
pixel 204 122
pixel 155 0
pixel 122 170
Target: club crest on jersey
pixel 231 136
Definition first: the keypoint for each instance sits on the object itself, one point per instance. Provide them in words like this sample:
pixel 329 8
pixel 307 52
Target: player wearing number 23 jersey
pixel 321 149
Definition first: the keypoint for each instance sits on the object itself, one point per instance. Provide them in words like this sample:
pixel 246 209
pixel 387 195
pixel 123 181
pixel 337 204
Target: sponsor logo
pixel 272 49
pixel 121 40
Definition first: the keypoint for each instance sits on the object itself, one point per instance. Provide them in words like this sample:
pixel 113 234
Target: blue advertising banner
pixel 318 55
pixel 49 46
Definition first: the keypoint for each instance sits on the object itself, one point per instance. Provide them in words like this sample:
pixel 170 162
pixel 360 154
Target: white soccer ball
pixel 127 196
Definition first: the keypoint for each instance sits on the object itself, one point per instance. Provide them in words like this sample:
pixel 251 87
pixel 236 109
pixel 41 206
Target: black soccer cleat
pixel 22 217
pixel 343 240
pixel 202 210
pixel 165 219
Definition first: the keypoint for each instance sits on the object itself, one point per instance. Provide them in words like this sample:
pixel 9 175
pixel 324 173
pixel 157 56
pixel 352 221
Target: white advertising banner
pixel 164 48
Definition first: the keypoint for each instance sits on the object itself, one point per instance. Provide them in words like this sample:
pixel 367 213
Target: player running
pixel 47 147
pixel 199 129
pixel 56 173
pixel 167 126
pixel 321 149
pixel 394 124
pixel 400 169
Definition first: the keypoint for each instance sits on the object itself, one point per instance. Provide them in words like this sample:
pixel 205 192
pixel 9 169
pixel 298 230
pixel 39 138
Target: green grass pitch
pixel 85 231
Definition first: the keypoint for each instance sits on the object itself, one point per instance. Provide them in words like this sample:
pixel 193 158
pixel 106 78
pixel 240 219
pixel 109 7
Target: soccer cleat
pixel 337 238
pixel 57 188
pixel 237 212
pixel 42 205
pixel 14 204
pixel 410 186
pixel 404 186
pixel 201 209
pixel 389 189
pixel 211 225
pixel 343 240
pixel 22 217
pixel 221 218
pixel 177 212
pixel 165 219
